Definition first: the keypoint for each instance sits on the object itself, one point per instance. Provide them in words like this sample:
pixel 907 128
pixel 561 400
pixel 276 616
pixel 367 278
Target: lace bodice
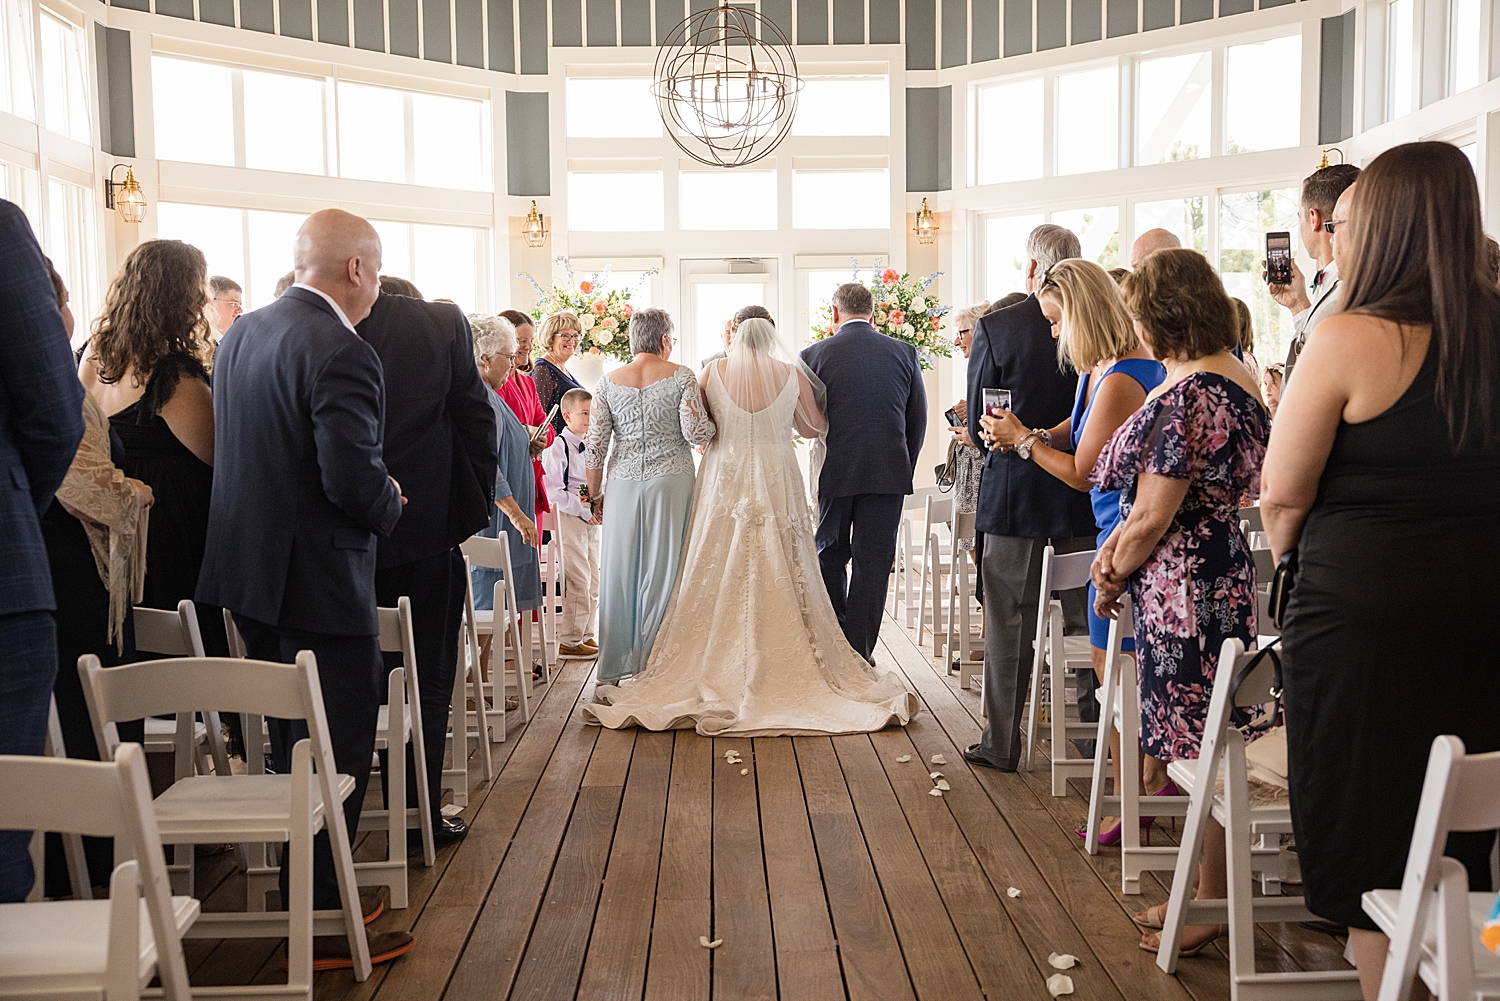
pixel 648 432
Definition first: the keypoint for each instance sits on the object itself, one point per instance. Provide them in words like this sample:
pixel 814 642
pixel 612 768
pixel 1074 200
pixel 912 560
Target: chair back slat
pixel 389 620
pixel 482 551
pixel 161 632
pixel 1265 566
pixel 1475 802
pixel 963 525
pixel 60 796
pixel 1069 571
pixel 1252 519
pixel 163 687
pixel 1255 690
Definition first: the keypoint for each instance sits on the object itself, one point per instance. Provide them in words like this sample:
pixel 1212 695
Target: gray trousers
pixel 1012 572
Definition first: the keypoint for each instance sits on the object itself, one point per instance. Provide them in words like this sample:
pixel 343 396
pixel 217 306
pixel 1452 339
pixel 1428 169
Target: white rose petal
pixel 935 792
pixel 703 941
pixel 586 321
pixel 938 759
pixel 744 771
pixel 1013 893
pixel 903 759
pixel 1063 961
pixel 1059 984
pixel 943 785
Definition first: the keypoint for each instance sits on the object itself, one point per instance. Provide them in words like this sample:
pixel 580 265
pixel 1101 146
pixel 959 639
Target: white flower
pixel 604 336
pixel 919 305
pixel 908 329
pixel 586 320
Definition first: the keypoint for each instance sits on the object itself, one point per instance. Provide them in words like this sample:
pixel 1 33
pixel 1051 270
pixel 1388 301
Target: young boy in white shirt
pixel 564 473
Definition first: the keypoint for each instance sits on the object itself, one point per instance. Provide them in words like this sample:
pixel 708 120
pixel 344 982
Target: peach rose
pixel 890 276
pixel 897 317
pixel 599 308
pixel 585 287
pixel 628 310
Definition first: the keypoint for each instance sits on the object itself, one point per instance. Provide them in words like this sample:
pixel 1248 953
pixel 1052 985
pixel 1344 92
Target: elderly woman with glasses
pixel 559 337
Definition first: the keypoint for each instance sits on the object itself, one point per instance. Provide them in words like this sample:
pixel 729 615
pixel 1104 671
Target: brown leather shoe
pixel 579 650
pixel 371 903
pixel 331 952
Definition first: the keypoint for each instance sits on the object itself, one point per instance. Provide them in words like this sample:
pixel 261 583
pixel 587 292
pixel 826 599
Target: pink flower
pixel 628 310
pixel 599 308
pixel 593 351
pixel 936 321
pixel 897 317
pixel 890 276
pixel 585 287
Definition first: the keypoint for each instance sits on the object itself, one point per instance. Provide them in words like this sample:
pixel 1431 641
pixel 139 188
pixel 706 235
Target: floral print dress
pixel 1197 588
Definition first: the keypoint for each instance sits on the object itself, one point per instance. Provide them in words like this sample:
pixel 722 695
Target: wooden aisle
pixel 598 859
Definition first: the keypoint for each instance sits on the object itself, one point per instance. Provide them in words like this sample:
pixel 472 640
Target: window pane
pixel 615 203
pixel 1182 217
pixel 1463 45
pixel 841 199
pixel 1244 220
pixel 1005 253
pixel 395 248
pixel 725 199
pixel 1099 232
pixel 820 289
pixel 1172 109
pixel 272 236
pixel 64 51
pixel 1252 74
pixel 192 115
pixel 1398 59
pixel 1010 132
pixel 450 145
pixel 20 185
pixel 846 106
pixel 217 231
pixel 72 241
pixel 17 58
pixel 450 264
pixel 372 133
pixel 283 122
pixel 714 303
pixel 612 109
pixel 1088 121
pixel 637 283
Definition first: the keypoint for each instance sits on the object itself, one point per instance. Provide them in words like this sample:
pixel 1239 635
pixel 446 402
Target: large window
pixel 1172 107
pixel 18 184
pixel 64 77
pixel 1463 45
pixel 1399 43
pixel 843 106
pixel 1005 253
pixel 621 202
pixel 841 199
pixel 1088 121
pixel 1098 232
pixel 1262 104
pixel 1010 131
pixel 72 241
pixel 726 199
pixel 194 117
pixel 17 58
pixel 612 109
pixel 1244 220
pixel 284 128
pixel 1182 217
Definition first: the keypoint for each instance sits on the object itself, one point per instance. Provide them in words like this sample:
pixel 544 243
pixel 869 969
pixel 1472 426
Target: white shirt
pixel 337 310
pixel 566 452
pixel 1300 322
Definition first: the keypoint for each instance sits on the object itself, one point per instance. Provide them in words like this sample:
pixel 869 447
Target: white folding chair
pixel 931 565
pixel 93 948
pixel 961 606
pixel 554 582
pixel 398 727
pixel 209 809
pixel 260 863
pixel 1223 751
pixel 913 512
pixel 469 727
pixel 1056 655
pixel 515 650
pixel 73 857
pixel 1433 921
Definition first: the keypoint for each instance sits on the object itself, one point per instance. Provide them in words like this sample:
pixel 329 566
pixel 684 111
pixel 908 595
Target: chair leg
pixel 1057 684
pixel 1237 852
pixel 1101 757
pixel 299 907
pixel 1189 850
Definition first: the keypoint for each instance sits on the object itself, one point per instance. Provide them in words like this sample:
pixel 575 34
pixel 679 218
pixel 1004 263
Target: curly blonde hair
pixel 154 311
pixel 564 319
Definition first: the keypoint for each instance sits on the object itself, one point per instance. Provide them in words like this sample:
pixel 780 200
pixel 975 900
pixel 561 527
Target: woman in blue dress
pixel 515 484
pixel 1096 338
pixel 648 415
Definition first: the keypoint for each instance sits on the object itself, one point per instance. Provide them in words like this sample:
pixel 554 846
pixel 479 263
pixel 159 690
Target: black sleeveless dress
pixel 1389 642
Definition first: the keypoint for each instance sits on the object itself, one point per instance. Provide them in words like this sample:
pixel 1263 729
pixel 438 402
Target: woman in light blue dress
pixel 515 483
pixel 647 417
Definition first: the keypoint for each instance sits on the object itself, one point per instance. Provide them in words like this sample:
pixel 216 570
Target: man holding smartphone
pixel 1320 191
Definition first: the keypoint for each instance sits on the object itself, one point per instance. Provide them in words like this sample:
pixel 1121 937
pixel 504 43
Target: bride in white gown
pixel 749 644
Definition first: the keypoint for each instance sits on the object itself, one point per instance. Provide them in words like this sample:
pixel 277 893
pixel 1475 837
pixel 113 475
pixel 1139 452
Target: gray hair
pixel 649 329
pixel 1049 244
pixel 969 315
pixel 853 299
pixel 493 335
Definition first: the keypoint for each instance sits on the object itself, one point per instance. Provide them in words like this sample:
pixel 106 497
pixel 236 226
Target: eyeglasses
pixel 574 337
pixel 1333 224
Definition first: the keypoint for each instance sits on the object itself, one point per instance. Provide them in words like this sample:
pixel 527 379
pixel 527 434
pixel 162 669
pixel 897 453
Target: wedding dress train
pixel 750 644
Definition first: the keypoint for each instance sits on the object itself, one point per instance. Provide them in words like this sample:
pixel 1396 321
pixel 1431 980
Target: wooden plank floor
pixel 597 859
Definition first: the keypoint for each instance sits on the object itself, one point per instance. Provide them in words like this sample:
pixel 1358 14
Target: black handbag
pixel 1281 587
pixel 1267 721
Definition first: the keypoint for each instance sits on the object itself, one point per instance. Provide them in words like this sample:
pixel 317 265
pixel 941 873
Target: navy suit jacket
pixel 41 413
pixel 1014 349
pixel 877 411
pixel 439 429
pixel 300 489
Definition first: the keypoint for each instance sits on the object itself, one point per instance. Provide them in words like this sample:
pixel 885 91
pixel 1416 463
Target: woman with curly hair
pixel 145 366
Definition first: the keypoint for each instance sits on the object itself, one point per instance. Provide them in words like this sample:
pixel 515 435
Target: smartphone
pixel 996 400
pixel 1279 258
pixel 953 417
pixel 541 430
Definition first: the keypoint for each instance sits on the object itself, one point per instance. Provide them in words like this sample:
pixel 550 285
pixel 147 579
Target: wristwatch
pixel 1024 446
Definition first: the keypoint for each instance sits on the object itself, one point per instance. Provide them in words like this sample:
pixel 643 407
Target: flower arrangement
pixel 604 312
pixel 903 310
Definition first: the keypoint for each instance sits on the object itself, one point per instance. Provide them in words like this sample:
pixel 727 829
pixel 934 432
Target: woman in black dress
pixel 1383 475
pixel 559 336
pixel 145 367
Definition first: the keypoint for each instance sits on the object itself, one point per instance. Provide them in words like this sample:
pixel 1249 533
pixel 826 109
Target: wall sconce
pixel 125 197
pixel 535 229
pixel 1331 149
pixel 926 228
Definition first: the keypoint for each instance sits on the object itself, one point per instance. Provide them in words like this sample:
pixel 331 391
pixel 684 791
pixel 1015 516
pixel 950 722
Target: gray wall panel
pixel 369 25
pixel 1122 17
pixel 670 13
pixel 468 32
pixel 602 22
pixel 1336 79
pixel 533 36
pixel 779 12
pixel 403 27
pixel 567 22
pixel 885 22
pixel 635 22
pixel 528 164
pixel 921 34
pixel 1088 21
pixel 258 15
pixel 1159 14
pixel 1227 7
pixel 116 91
pixel 984 22
pixel 1017 27
pixel 333 21
pixel 175 8
pixel 502 38
pixel 1051 24
pixel 437 31
pixel 955 32
pixel 812 22
pixel 1274 3
pixel 216 12
pixel 1196 10
pixel 945 138
pixel 132 4
pixel 848 22
pixel 296 18
pixel 929 138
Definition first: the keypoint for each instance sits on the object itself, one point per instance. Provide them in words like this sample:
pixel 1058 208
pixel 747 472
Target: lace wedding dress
pixel 749 644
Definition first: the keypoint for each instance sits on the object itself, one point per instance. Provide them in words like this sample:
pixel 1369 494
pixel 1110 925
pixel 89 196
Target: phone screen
pixel 1279 258
pixel 996 400
pixel 953 417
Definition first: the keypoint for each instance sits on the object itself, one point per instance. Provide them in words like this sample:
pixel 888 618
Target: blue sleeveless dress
pixel 1149 373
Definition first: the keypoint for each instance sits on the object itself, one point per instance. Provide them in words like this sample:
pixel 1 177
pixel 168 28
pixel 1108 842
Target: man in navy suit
pixel 877 418
pixel 41 424
pixel 300 494
pixel 1022 508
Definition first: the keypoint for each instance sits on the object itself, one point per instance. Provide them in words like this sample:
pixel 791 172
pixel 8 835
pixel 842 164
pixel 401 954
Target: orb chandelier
pixel 726 85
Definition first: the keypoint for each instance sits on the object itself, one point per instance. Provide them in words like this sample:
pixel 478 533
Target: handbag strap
pixel 1269 720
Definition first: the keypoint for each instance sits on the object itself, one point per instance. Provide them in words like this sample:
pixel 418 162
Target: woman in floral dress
pixel 1184 464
